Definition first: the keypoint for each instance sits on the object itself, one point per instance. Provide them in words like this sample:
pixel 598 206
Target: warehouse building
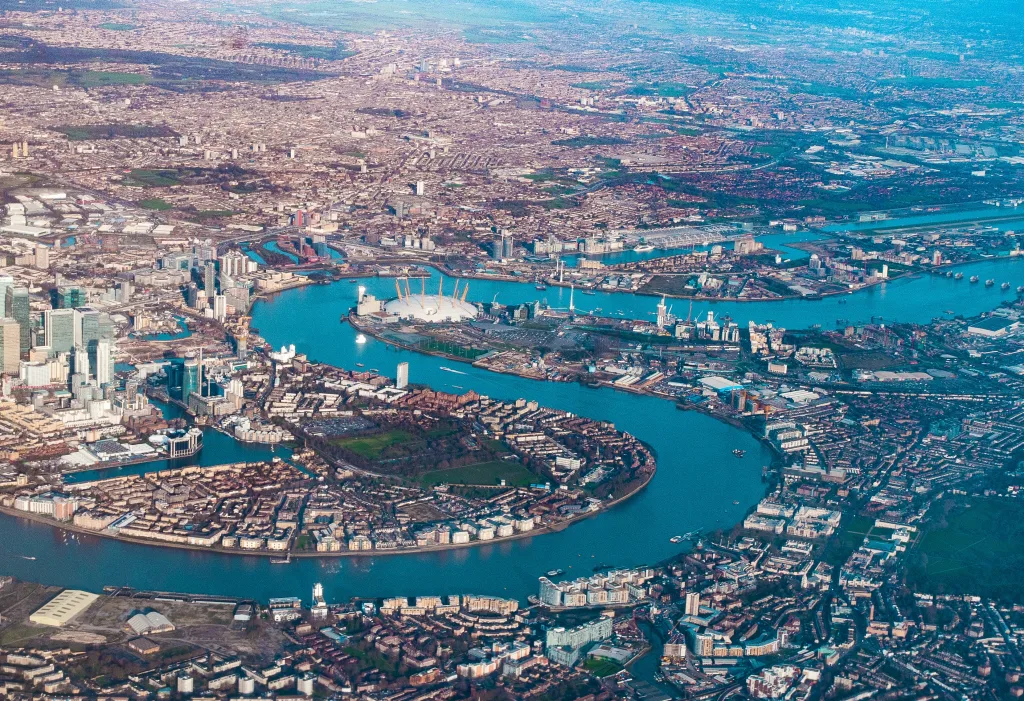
pixel 63 607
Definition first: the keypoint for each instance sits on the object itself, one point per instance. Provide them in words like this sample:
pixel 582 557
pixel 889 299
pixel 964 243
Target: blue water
pixel 695 487
pixel 699 483
pixel 917 299
pixel 183 332
pixel 253 254
pixel 937 218
pixel 272 246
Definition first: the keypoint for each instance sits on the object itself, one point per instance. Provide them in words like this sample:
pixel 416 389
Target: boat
pixel 989 282
pixel 27 557
pixel 361 339
pixel 555 573
pixel 644 248
pixel 352 282
pixel 359 365
pixel 1005 286
pixel 739 453
pixel 1020 289
pixel 691 535
pixel 448 369
pixel 974 278
pixel 541 287
pixel 958 276
pixel 281 560
pixel 949 273
pixel 676 539
pixel 589 292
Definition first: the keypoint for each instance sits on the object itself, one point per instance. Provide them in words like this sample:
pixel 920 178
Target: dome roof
pixel 431 308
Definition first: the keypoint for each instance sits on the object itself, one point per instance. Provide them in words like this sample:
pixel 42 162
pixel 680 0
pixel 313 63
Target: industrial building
pixel 63 607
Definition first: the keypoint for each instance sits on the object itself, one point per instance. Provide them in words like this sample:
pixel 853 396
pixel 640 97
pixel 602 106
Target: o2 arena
pixel 439 308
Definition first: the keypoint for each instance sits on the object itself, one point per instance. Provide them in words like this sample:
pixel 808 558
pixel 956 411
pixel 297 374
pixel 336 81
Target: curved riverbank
pixel 698 484
pixel 270 554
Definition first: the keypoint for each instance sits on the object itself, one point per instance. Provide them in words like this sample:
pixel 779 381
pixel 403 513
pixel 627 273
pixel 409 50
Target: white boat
pixel 360 338
pixel 281 561
pixel 644 248
pixel 676 539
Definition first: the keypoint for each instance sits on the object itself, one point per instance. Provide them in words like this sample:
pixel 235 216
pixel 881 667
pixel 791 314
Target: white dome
pixel 431 308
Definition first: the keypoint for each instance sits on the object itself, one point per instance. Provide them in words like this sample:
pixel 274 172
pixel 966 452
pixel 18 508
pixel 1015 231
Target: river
pixel 914 298
pixel 699 483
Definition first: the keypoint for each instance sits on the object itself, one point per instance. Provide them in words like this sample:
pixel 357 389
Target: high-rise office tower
pixel 5 282
pixel 190 378
pixel 71 297
pixel 402 376
pixel 92 326
pixel 81 361
pixel 220 307
pixel 59 330
pixel 209 279
pixel 16 307
pixel 10 346
pixel 104 361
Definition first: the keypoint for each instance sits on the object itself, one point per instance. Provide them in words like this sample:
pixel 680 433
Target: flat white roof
pixel 63 607
pixel 24 230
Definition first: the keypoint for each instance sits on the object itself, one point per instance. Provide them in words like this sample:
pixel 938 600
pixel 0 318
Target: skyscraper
pixel 59 330
pixel 92 326
pixel 209 279
pixel 81 360
pixel 104 361
pixel 10 346
pixel 5 282
pixel 71 296
pixel 190 378
pixel 220 307
pixel 16 307
pixel 402 376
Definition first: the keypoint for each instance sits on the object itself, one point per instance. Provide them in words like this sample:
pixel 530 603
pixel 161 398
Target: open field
pixel 485 473
pixel 973 546
pixel 601 667
pixel 372 447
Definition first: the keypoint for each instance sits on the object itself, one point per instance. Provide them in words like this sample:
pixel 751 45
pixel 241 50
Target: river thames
pixel 699 482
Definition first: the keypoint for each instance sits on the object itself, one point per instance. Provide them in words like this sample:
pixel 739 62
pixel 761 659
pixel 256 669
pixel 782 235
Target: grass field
pixel 977 547
pixel 600 667
pixel 113 131
pixel 143 177
pixel 371 447
pixel 485 473
pixel 155 203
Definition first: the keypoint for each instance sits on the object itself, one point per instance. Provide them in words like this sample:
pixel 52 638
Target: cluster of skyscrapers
pixel 74 340
pixel 203 295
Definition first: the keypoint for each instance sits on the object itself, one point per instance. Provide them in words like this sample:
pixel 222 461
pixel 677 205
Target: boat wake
pixel 448 369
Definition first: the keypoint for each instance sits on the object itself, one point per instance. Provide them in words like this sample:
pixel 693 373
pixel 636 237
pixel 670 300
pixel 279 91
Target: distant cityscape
pixel 402 351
